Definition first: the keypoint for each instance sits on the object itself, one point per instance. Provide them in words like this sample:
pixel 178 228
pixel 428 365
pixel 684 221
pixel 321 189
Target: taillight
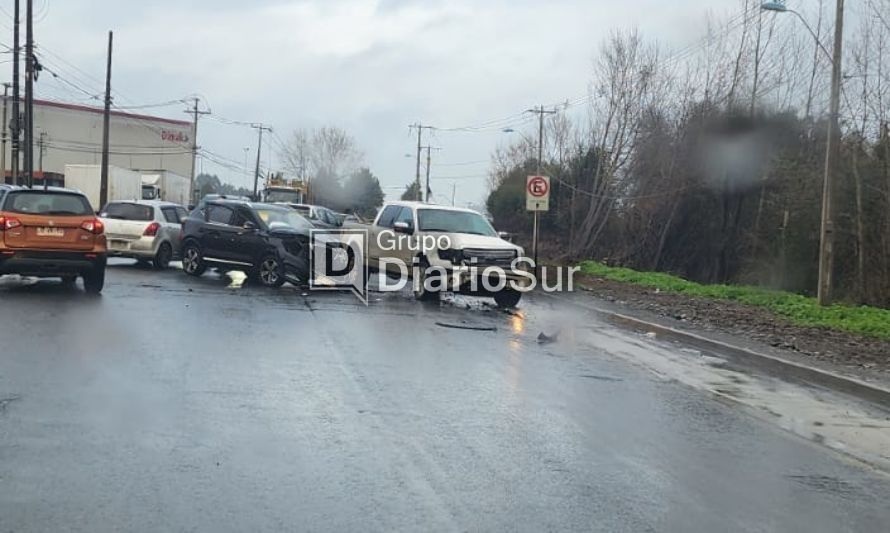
pixel 151 230
pixel 9 223
pixel 93 226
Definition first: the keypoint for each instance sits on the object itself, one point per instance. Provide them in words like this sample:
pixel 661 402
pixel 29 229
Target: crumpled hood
pixel 465 240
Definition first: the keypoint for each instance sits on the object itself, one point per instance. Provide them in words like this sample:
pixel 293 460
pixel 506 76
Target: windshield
pixel 128 211
pixel 149 192
pixel 448 221
pixel 283 216
pixel 283 196
pixel 47 203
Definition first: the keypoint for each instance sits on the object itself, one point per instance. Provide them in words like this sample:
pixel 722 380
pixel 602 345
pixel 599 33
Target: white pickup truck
pixel 460 245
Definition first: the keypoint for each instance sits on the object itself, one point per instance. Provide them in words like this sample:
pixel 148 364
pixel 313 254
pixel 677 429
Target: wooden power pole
pixel 16 127
pixel 832 152
pixel 195 113
pixel 106 124
pixel 259 150
pixel 29 92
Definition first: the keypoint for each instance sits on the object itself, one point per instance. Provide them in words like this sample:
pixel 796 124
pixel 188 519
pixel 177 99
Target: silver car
pixel 145 230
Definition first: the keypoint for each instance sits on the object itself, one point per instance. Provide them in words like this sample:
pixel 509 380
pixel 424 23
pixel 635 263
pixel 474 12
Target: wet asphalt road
pixel 176 404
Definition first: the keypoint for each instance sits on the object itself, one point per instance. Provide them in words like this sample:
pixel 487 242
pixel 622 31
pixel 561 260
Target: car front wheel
pixel 192 261
pixel 507 298
pixel 270 272
pixel 425 277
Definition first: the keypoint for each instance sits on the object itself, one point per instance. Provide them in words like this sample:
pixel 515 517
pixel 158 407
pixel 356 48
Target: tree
pixel 412 192
pixel 324 158
pixel 362 193
pixel 207 184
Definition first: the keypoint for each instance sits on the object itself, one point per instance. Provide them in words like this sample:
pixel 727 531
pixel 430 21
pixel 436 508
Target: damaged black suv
pixel 269 243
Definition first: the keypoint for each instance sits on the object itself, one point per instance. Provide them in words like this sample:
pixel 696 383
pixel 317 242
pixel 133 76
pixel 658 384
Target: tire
pixel 420 292
pixel 507 298
pixel 162 259
pixel 94 282
pixel 192 259
pixel 270 271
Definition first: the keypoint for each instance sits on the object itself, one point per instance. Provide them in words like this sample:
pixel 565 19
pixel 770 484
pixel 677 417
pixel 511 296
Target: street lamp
pixel 826 234
pixel 774 6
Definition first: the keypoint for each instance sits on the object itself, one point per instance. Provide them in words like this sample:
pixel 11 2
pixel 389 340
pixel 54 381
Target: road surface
pixel 179 404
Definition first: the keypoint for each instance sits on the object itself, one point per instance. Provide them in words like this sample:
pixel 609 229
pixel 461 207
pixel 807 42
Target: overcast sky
pixel 370 67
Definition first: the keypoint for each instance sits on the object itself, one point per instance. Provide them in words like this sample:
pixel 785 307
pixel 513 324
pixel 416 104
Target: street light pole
pixel 832 149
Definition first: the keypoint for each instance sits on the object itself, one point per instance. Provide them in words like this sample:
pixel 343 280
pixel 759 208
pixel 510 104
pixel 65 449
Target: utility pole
pixel 540 111
pixel 4 131
pixel 826 248
pixel 106 124
pixel 426 194
pixel 420 127
pixel 29 92
pixel 453 191
pixel 196 113
pixel 427 191
pixel 41 149
pixel 16 112
pixel 259 148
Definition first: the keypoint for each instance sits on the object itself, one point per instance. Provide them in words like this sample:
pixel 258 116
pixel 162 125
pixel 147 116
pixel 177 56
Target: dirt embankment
pixel 749 322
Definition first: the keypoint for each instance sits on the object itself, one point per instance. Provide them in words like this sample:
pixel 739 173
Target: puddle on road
pixel 821 416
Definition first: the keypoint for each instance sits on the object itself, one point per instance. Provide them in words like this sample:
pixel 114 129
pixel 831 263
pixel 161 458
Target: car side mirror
pixel 249 226
pixel 505 235
pixel 403 227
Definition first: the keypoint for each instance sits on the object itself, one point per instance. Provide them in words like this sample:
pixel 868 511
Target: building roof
pixel 99 110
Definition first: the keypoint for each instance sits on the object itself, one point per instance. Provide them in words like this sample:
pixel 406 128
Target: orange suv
pixel 52 232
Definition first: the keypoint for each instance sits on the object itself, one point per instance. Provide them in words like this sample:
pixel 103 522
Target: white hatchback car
pixel 145 230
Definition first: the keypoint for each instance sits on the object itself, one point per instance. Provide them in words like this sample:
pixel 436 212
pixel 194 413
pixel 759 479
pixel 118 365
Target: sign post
pixel 537 199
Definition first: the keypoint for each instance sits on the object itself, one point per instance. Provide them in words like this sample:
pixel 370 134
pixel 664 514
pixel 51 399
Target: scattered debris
pixel 599 378
pixel 8 400
pixel 543 338
pixel 464 325
pixel 651 334
pixel 238 278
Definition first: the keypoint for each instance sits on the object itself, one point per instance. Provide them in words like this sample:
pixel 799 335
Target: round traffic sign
pixel 538 187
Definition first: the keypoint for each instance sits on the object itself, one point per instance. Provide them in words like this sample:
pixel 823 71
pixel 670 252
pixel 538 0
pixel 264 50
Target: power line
pixel 463 163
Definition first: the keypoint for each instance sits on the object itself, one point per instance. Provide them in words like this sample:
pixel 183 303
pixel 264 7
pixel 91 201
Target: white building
pixel 67 134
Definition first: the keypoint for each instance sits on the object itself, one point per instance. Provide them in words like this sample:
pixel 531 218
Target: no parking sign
pixel 537 193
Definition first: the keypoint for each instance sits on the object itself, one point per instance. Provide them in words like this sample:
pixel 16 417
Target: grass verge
pixel 800 310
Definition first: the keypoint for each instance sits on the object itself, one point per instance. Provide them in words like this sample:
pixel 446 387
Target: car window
pixel 406 215
pixel 128 211
pixel 389 215
pixel 47 203
pixel 454 222
pixel 182 213
pixel 241 217
pixel 281 216
pixel 170 215
pixel 220 214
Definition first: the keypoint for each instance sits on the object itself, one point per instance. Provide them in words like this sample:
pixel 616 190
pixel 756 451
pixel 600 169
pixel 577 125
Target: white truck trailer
pixel 123 184
pixel 165 185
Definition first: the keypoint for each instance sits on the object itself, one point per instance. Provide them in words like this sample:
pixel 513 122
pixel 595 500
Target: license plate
pixel 119 244
pixel 50 232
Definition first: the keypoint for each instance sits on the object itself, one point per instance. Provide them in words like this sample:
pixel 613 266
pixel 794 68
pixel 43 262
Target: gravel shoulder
pixel 860 356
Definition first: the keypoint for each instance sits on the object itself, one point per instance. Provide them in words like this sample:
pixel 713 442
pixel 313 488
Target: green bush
pixel 800 310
